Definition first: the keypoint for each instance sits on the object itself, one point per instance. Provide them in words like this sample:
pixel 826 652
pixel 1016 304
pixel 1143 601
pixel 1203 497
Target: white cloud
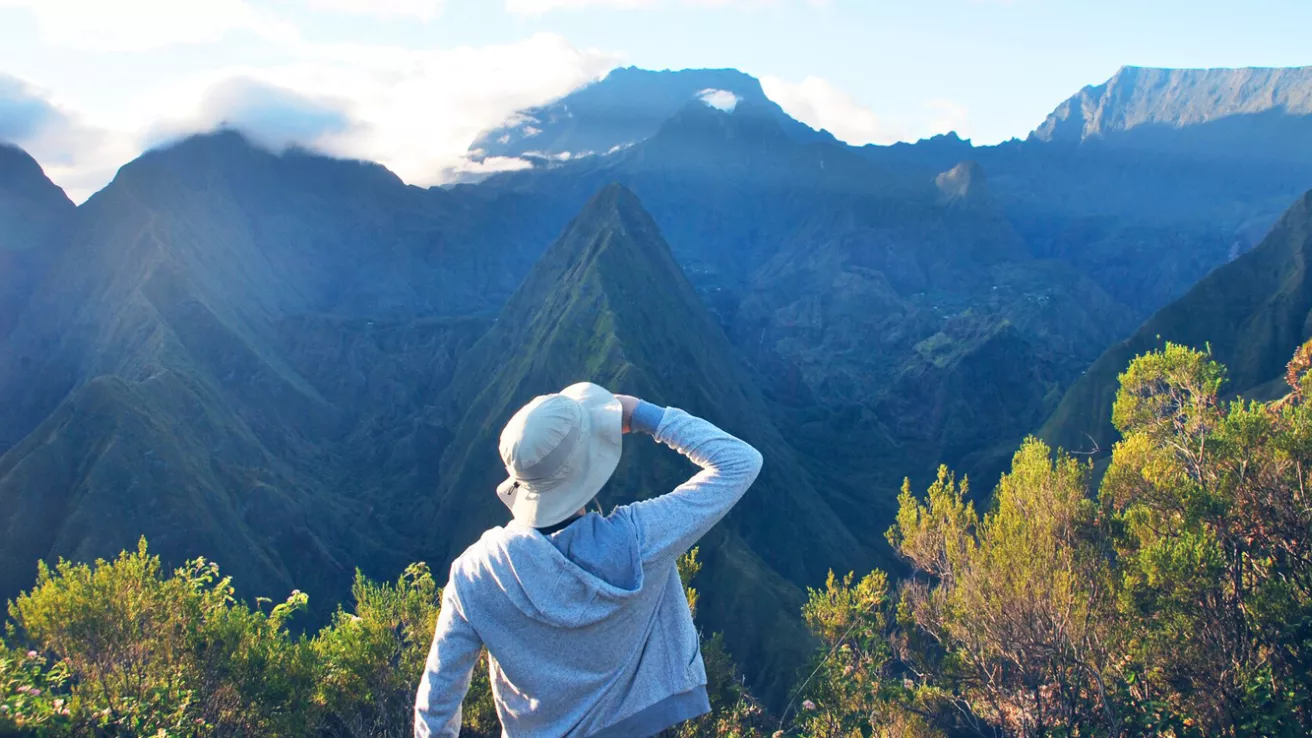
pixel 468 170
pixel 819 104
pixel 272 116
pixel 720 99
pixel 414 111
pixel 77 156
pixel 541 7
pixel 138 25
pixel 424 10
pixel 948 116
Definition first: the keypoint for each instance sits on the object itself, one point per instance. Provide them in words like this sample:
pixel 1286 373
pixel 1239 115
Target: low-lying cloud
pixel 273 116
pixel 819 104
pixel 415 110
pixel 720 99
pixel 72 153
pixel 23 111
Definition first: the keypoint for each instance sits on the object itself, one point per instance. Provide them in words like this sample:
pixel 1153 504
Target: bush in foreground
pixel 1175 602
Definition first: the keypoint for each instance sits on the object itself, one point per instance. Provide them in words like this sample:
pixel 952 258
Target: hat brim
pixel 589 468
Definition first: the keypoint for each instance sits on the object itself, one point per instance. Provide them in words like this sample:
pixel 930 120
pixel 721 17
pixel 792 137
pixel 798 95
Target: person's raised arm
pixel 669 525
pixel 447 674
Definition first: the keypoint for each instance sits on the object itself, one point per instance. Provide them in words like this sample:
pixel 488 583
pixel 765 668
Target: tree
pixel 149 653
pixel 369 660
pixel 1003 623
pixel 852 690
pixel 1208 502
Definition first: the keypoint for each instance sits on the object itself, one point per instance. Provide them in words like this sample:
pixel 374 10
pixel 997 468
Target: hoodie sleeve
pixel 669 525
pixel 447 674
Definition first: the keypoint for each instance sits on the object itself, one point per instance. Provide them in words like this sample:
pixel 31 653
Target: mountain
pixel 626 107
pixel 233 357
pixel 844 282
pixel 1147 182
pixel 1137 98
pixel 1253 313
pixel 296 365
pixel 607 303
pixel 33 214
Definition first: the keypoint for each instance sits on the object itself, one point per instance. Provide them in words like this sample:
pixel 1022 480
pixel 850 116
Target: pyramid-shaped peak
pixel 613 223
pixel 614 198
pixel 607 303
pixel 964 183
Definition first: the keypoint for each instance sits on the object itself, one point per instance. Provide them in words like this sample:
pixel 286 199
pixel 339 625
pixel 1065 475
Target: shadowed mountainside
pixel 34 214
pixel 607 303
pixel 1253 313
pixel 291 364
pixel 169 377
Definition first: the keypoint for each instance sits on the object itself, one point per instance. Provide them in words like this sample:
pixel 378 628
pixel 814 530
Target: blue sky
pixel 86 85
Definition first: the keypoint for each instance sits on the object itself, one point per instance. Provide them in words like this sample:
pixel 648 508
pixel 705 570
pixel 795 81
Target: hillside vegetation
pixel 1178 602
pixel 297 365
pixel 1251 312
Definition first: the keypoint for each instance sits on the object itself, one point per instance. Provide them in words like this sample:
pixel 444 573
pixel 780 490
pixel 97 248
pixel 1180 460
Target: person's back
pixel 583 616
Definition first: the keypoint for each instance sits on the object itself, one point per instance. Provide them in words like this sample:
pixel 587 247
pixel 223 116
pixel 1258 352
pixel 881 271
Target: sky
pixel 86 85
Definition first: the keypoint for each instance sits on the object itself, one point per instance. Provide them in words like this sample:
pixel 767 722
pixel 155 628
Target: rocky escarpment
pixel 1177 98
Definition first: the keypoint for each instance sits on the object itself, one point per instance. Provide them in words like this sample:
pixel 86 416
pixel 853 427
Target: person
pixel 585 621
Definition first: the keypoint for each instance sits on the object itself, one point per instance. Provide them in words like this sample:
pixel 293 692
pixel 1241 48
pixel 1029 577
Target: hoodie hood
pixel 572 578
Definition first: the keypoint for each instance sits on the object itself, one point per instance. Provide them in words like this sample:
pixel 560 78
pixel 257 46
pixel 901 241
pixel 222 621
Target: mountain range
pixel 1252 314
pixel 297 365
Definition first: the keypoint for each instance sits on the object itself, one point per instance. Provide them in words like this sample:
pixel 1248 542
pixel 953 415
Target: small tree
pixel 1208 500
pixel 370 661
pixel 152 654
pixel 852 690
pixel 1005 621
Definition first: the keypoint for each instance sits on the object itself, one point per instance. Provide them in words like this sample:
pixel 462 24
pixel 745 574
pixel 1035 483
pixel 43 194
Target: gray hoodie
pixel 588 630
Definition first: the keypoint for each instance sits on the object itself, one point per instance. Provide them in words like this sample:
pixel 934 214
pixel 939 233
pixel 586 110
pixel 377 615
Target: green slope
pixel 237 357
pixel 33 215
pixel 1253 312
pixel 607 303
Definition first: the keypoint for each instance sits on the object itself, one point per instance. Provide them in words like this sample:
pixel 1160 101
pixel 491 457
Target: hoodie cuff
pixel 646 418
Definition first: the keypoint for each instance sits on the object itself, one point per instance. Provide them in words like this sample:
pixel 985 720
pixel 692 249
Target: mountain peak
pixel 230 150
pixel 626 107
pixel 1140 97
pixel 614 233
pixel 614 198
pixel 607 303
pixel 963 184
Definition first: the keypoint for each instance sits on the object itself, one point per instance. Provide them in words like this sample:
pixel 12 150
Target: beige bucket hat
pixel 559 451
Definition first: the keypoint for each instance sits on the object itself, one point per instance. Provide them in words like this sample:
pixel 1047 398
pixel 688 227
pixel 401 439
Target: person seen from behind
pixel 584 618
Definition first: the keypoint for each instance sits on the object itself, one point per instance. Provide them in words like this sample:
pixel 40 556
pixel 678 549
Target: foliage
pixel 32 695
pixel 1176 601
pixel 852 690
pixel 1004 620
pixel 1208 504
pixel 735 713
pixel 176 655
pixel 121 649
pixel 368 660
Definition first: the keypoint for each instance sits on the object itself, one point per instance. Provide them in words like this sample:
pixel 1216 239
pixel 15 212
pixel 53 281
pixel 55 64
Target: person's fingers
pixel 628 404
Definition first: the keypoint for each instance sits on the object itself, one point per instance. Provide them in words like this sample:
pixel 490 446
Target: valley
pixel 298 365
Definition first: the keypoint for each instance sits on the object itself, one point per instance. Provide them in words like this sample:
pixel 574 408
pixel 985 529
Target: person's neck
pixel 561 525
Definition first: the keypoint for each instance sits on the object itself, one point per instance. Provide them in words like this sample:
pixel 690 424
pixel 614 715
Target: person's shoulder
pixel 478 555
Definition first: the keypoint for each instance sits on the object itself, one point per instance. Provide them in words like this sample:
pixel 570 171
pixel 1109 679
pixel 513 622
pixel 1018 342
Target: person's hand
pixel 627 405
